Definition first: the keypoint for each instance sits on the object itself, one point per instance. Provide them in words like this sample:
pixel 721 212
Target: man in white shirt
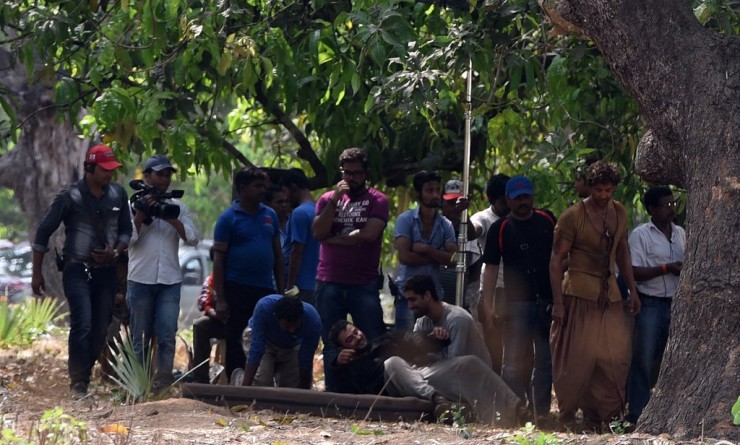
pixel 481 222
pixel 657 249
pixel 154 274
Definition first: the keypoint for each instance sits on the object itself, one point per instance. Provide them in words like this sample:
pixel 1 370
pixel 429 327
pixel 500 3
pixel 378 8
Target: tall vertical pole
pixel 462 238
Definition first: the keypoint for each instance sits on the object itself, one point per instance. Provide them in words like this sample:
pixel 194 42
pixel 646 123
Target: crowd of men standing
pixel 547 309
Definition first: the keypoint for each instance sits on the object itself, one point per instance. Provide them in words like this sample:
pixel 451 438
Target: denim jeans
pixel 334 302
pixel 90 295
pixel 526 331
pixel 154 312
pixel 651 334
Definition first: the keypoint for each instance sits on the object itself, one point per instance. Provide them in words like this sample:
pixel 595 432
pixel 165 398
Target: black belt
pixel 88 264
pixel 663 299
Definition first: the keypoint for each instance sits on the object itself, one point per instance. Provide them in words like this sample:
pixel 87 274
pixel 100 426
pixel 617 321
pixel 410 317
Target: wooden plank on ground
pixel 318 403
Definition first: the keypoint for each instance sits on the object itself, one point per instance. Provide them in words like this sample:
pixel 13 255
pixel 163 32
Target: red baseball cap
pixel 103 156
pixel 453 189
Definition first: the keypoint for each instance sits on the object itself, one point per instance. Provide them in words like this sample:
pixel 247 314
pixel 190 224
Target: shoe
pixel 442 409
pixel 237 377
pixel 79 390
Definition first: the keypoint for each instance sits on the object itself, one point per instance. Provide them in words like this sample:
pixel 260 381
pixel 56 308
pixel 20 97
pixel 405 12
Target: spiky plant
pixel 133 376
pixel 23 323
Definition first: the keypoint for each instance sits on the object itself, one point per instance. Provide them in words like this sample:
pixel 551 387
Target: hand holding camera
pixel 151 202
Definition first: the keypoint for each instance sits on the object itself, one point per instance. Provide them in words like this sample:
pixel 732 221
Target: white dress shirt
pixel 153 250
pixel 651 248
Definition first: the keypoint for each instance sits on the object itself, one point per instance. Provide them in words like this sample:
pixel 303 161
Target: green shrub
pixel 55 428
pixel 22 324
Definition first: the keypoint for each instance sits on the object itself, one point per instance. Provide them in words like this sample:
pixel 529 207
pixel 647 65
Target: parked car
pixel 196 266
pixel 16 270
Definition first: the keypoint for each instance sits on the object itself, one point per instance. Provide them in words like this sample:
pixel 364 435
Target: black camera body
pixel 160 209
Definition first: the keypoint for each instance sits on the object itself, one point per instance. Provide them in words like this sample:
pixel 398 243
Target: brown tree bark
pixel 47 157
pixel 686 80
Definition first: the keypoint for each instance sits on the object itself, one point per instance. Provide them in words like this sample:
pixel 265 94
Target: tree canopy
pixel 212 83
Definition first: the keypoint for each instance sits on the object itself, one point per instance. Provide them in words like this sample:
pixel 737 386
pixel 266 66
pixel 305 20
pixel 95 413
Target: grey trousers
pixel 466 379
pixel 278 367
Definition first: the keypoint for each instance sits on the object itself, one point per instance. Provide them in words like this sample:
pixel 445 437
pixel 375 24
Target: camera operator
pixel 154 274
pixel 97 228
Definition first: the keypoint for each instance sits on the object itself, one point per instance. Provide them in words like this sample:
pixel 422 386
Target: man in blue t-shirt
pixel 247 256
pixel 425 240
pixel 300 249
pixel 280 342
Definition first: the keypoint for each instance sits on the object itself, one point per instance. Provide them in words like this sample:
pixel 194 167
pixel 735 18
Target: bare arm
pixel 560 249
pixel 648 273
pixel 624 261
pixel 37 280
pixel 249 372
pixel 294 264
pixel 278 268
pixel 443 257
pixel 407 256
pixel 474 231
pixel 371 232
pixel 489 278
pixel 321 227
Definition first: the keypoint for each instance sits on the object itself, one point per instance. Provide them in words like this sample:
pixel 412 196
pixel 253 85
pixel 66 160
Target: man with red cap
pixel 97 229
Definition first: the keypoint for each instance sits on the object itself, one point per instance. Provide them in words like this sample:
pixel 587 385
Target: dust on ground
pixel 34 380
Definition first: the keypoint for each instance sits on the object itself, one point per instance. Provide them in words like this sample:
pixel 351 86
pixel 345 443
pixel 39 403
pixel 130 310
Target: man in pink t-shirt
pixel 349 224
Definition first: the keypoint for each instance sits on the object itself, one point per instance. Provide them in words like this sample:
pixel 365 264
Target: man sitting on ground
pixel 280 342
pixel 444 321
pixel 398 364
pixel 204 329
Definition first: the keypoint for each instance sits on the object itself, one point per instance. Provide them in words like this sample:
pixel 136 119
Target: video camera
pixel 160 209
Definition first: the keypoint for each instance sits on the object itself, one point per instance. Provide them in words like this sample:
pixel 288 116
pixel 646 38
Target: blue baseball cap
pixel 517 186
pixel 158 163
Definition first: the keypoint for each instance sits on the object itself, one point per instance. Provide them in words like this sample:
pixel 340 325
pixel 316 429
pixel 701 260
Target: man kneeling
pixel 280 342
pixel 400 364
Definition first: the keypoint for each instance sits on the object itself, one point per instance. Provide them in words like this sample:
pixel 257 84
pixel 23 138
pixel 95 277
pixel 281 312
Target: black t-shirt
pixel 525 247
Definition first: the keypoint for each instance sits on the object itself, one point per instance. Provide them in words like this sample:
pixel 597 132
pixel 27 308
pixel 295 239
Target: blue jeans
pixel 650 337
pixel 334 302
pixel 526 331
pixel 154 312
pixel 90 298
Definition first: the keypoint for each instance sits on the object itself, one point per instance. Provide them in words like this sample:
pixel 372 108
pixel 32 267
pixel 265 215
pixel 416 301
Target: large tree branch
pixel 233 151
pixel 305 150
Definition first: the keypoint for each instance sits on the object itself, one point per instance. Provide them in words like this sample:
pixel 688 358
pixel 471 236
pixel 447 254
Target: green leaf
pixel 355 82
pixel 224 63
pixel 736 412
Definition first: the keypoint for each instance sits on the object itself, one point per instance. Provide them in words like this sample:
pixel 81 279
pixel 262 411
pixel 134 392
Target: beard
pixel 432 203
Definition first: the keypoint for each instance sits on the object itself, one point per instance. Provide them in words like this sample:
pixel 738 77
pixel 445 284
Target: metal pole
pixel 462 238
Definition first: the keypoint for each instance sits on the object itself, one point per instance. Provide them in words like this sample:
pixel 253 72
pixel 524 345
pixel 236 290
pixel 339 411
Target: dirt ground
pixel 34 380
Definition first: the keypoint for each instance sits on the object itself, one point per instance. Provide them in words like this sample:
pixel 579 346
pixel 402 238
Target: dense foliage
pixel 216 84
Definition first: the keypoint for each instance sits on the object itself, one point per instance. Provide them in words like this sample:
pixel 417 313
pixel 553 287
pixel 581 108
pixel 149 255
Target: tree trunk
pixel 686 80
pixel 48 156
